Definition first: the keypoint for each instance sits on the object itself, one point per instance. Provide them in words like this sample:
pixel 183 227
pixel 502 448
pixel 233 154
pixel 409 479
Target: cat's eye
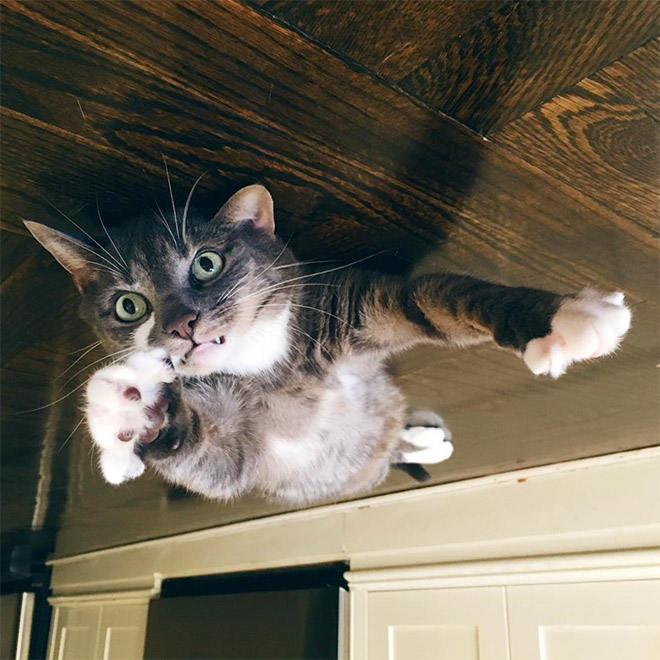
pixel 130 307
pixel 207 265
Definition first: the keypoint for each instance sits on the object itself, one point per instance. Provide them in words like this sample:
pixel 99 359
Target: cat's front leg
pixel 549 330
pixel 587 325
pixel 126 409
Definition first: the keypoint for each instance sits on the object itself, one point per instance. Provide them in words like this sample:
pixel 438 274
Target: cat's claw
pixel 587 326
pixel 125 406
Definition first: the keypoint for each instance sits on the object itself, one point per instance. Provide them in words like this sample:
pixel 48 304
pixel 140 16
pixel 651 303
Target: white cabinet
pixel 122 629
pixel 437 624
pixel 604 620
pixel 75 633
pixel 101 630
pixel 578 621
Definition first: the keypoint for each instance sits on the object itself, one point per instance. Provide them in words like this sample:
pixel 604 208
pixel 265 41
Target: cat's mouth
pixel 200 347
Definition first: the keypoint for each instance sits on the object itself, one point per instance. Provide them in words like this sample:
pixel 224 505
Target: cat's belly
pixel 313 446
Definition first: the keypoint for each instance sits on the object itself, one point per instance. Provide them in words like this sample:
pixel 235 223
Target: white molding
pixel 106 598
pixel 643 564
pixel 603 504
pixel 344 627
pixel 25 626
pixel 646 454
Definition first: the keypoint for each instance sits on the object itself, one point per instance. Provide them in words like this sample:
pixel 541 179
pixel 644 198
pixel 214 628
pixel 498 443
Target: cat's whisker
pixel 323 311
pixel 53 403
pixel 280 288
pixel 75 428
pixel 190 194
pixel 108 265
pixel 322 272
pixel 162 218
pixel 307 263
pixel 98 211
pixel 105 357
pixel 295 328
pixel 91 238
pixel 332 270
pixel 89 350
pixel 169 185
pixel 127 352
pixel 239 302
pixel 107 269
pixel 316 309
pixel 227 295
pixel 82 349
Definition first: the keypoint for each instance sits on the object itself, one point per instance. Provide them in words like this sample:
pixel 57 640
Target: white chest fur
pixel 260 348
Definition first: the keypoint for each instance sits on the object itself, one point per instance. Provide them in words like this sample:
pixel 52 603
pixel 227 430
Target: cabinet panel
pixel 604 620
pixel 437 624
pixel 123 628
pixel 109 630
pixel 433 642
pixel 76 637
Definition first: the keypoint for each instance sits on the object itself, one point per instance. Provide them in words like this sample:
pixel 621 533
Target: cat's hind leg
pixel 425 439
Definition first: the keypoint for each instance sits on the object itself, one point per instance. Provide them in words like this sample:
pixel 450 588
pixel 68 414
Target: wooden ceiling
pixel 513 140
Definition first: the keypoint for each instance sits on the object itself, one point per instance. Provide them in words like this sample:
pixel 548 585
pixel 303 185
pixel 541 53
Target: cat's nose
pixel 182 326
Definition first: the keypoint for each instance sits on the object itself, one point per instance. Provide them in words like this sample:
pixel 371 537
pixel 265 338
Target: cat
pixel 241 369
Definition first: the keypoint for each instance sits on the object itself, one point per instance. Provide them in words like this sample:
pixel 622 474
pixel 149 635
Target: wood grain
pixel 491 74
pixel 598 138
pixel 634 78
pixel 95 94
pixel 469 59
pixel 388 37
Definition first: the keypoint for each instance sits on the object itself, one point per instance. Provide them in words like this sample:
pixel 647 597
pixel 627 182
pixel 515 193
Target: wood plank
pixel 389 37
pixel 597 141
pixel 370 190
pixel 490 75
pixel 35 297
pixel 94 94
pixel 467 59
pixel 634 78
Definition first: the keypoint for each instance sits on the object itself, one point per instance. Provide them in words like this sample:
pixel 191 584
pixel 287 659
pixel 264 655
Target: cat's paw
pixel 125 407
pixel 587 326
pixel 425 444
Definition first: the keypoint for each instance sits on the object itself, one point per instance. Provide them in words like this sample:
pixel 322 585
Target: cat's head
pixel 213 292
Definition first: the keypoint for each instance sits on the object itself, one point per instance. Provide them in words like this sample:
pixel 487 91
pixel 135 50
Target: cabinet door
pixel 76 633
pixel 603 620
pixel 123 628
pixel 436 624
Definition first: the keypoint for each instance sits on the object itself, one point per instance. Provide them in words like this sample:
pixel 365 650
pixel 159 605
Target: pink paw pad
pixel 132 394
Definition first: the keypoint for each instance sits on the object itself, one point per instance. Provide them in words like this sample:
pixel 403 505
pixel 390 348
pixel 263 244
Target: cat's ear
pixel 71 253
pixel 253 204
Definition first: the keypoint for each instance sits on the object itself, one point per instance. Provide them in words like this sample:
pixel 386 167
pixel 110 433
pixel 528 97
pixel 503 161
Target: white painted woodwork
pixel 123 628
pixel 76 633
pixel 555 509
pixel 436 624
pixel 437 572
pixel 101 629
pixel 604 620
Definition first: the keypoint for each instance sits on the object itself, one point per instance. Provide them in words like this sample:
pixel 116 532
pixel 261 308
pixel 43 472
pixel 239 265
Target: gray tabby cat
pixel 245 370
